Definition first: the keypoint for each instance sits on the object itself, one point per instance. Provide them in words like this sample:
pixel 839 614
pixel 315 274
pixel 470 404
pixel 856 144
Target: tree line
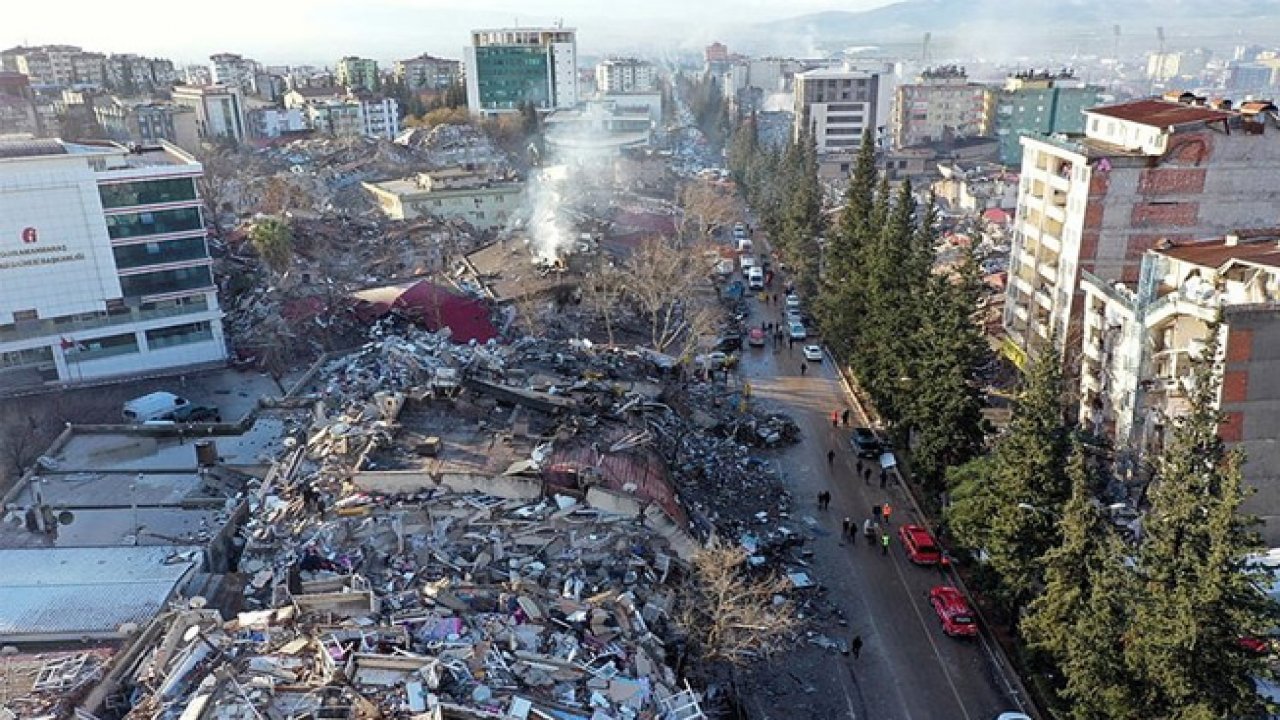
pixel 1169 622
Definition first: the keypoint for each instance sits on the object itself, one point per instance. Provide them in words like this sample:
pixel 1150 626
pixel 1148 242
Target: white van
pixel 155 406
pixel 744 245
pixel 755 278
pixel 747 262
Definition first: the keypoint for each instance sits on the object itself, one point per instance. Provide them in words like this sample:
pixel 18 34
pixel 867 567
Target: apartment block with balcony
pixel 625 75
pixel 1143 172
pixel 104 269
pixel 1141 337
pixel 940 107
pixel 1040 103
pixel 426 72
pixel 357 73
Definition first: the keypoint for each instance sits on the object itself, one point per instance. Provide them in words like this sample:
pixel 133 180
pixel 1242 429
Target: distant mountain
pixel 1018 20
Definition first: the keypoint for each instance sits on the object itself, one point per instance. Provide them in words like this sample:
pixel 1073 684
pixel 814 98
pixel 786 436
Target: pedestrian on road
pixel 875 512
pixel 845 417
pixel 868 529
pixel 866 477
pixel 886 512
pixel 847 531
pixel 884 478
pixel 803 369
pixel 835 418
pixel 859 466
pixel 791 342
pixel 856 646
pixel 831 457
pixel 884 544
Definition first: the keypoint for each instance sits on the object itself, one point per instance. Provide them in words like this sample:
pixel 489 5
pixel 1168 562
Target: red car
pixel 954 611
pixel 921 549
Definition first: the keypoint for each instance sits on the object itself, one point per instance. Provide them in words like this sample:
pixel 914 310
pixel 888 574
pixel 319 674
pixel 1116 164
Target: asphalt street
pixel 908 669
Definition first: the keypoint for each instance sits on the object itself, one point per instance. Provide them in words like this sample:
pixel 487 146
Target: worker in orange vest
pixel 885 512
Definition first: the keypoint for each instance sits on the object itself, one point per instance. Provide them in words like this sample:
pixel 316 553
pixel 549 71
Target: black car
pixel 729 343
pixel 196 413
pixel 865 443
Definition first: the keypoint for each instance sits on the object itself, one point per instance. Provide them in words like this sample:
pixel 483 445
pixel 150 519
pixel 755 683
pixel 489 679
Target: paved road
pixel 909 669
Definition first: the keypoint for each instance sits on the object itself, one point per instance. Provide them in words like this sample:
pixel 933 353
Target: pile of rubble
pixel 436 605
pixel 447 145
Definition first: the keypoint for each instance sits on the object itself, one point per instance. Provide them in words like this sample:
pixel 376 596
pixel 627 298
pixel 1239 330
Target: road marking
pixel 932 643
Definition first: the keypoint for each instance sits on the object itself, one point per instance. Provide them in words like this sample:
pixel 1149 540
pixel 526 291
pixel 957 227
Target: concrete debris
pixel 450 145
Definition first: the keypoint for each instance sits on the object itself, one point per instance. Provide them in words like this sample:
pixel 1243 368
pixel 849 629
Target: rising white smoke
pixel 550 235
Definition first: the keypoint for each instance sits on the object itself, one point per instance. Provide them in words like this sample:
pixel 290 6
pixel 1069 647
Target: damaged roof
pixel 1161 113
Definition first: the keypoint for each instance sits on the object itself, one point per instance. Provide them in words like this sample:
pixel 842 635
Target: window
pixel 105 347
pixel 25 315
pixel 166 281
pixel 153 253
pixel 153 223
pixel 179 335
pixel 147 192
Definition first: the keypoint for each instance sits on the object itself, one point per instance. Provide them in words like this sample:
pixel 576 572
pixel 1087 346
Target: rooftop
pixel 832 74
pixel 1161 113
pixel 86 592
pixel 30 148
pixel 1255 247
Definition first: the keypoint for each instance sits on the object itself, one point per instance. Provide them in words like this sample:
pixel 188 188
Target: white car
pixel 1012 716
pixel 793 302
pixel 797 331
pixel 813 353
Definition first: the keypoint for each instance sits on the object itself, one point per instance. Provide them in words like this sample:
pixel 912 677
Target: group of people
pixel 870 527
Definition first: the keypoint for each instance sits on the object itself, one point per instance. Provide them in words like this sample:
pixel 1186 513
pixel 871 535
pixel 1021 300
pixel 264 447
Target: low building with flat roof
pixel 480 199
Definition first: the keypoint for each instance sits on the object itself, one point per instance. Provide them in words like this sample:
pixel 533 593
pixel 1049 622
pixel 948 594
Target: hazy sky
pixel 320 31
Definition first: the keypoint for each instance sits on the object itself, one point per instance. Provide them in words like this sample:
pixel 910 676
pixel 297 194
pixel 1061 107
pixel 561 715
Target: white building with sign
pixel 104 269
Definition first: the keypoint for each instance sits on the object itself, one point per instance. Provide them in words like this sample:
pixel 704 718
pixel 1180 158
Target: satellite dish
pixel 66 517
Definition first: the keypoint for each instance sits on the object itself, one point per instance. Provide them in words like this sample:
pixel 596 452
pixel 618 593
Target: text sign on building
pixel 55 256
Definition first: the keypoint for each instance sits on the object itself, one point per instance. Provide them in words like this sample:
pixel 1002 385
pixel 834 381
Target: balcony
pixel 1049 272
pixel 1044 299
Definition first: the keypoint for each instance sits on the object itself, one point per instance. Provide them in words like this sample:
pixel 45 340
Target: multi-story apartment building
pixel 624 75
pixel 103 265
pixel 335 112
pixel 942 105
pixel 836 105
pixel 510 67
pixel 219 110
pixel 196 75
pixel 356 74
pixel 233 71
pixel 1142 336
pixel 267 123
pixel 18 113
pixel 1143 172
pixel 56 65
pixel 1040 103
pixel 426 72
pixel 147 123
pixel 129 74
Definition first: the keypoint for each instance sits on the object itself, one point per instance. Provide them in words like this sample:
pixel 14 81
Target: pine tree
pixel 841 301
pixel 1199 598
pixel 1009 513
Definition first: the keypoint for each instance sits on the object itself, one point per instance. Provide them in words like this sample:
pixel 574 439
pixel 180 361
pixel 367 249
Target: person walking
pixel 803 367
pixel 821 494
pixel 831 457
pixel 868 529
pixel 884 478
pixel 886 512
pixel 875 512
pixel 846 528
pixel 845 417
pixel 884 544
pixel 866 476
pixel 835 418
pixel 855 646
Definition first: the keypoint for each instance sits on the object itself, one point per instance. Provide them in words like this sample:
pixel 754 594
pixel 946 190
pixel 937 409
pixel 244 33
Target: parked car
pixel 865 443
pixel 919 544
pixel 729 343
pixel 191 413
pixel 153 406
pixel 813 353
pixel 797 331
pixel 793 302
pixel 755 278
pixel 756 337
pixel 953 610
pixel 1013 716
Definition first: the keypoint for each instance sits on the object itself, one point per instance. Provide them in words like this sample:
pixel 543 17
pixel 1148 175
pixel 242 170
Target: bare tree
pixel 667 283
pixel 602 292
pixel 708 205
pixel 730 616
pixel 215 185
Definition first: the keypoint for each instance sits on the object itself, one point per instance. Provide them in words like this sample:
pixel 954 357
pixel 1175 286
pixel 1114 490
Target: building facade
pixel 426 72
pixel 147 123
pixel 219 110
pixel 56 65
pixel 941 106
pixel 1035 103
pixel 455 193
pixel 103 265
pixel 335 112
pixel 836 106
pixel 232 70
pixel 356 73
pixel 508 68
pixel 1142 338
pixel 1144 172
pixel 267 123
pixel 624 75
pixel 18 113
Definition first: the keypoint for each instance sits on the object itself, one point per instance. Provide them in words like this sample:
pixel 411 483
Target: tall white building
pixel 233 70
pixel 103 265
pixel 510 67
pixel 624 75
pixel 836 105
